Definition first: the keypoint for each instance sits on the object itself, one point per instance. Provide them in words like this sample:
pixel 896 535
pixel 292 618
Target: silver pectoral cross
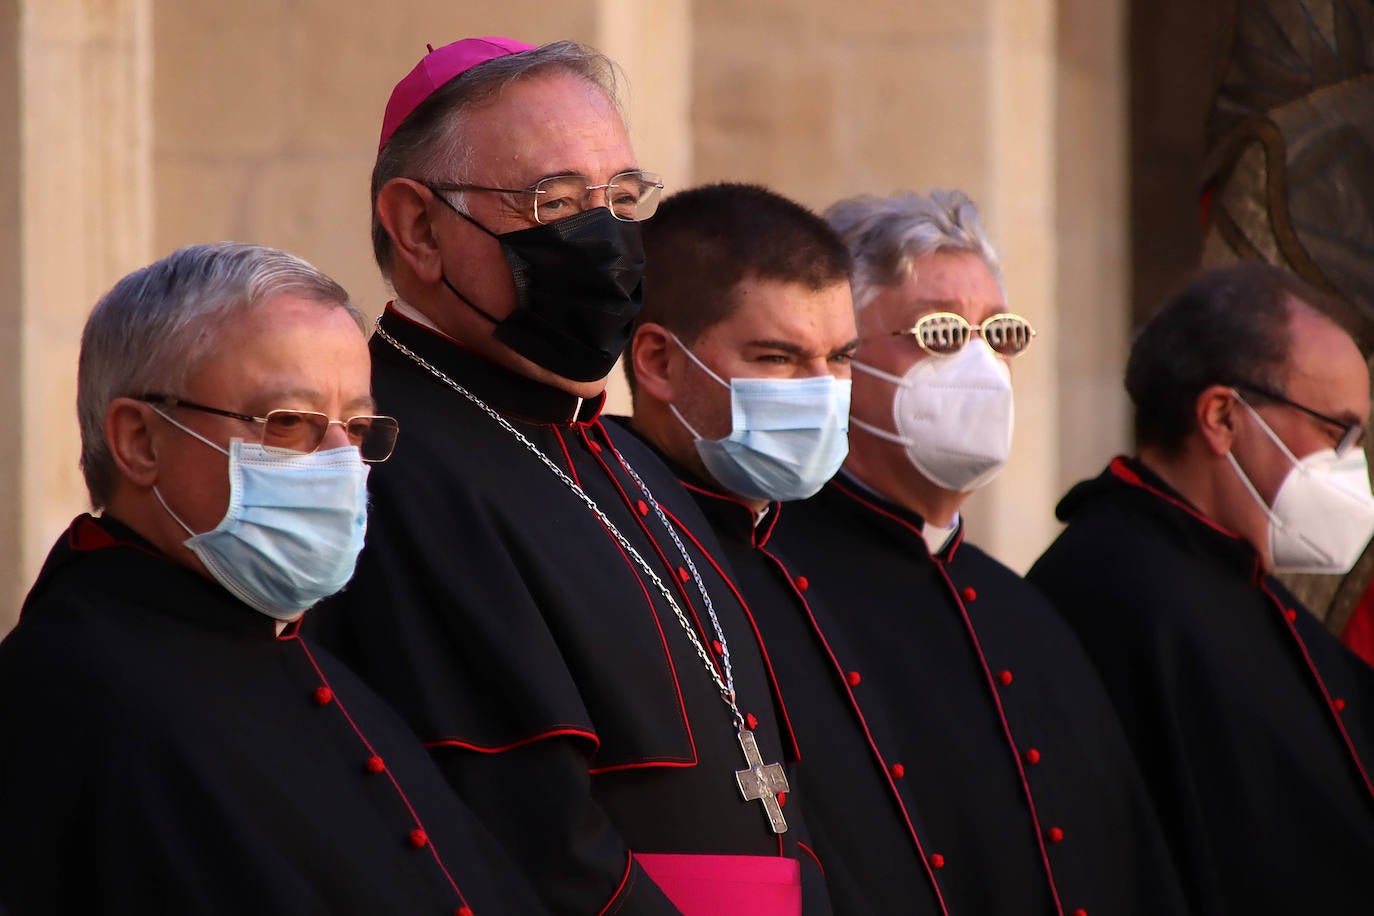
pixel 761 782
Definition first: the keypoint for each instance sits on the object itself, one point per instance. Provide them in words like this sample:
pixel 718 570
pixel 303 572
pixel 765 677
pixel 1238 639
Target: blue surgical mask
pixel 787 436
pixel 293 530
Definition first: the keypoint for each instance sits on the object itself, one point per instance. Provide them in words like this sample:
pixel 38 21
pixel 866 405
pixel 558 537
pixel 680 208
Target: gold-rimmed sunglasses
pixel 301 432
pixel 946 333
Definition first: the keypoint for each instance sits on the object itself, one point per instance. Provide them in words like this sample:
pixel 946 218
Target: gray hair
pixel 887 235
pixel 152 330
pixel 429 144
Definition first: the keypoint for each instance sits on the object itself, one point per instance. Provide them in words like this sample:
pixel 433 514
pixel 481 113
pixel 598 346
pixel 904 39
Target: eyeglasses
pixel 301 432
pixel 946 333
pixel 631 196
pixel 1351 433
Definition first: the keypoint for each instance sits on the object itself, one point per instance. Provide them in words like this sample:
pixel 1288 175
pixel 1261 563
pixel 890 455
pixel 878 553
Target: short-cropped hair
pixel 429 144
pixel 1226 326
pixel 887 235
pixel 704 241
pixel 152 330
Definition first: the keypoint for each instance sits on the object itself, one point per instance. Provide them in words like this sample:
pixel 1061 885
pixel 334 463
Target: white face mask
pixel 787 436
pixel 954 414
pixel 1323 513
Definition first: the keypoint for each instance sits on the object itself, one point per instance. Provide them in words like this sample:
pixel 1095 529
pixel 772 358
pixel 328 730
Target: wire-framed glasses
pixel 1351 433
pixel 631 196
pixel 946 333
pixel 301 432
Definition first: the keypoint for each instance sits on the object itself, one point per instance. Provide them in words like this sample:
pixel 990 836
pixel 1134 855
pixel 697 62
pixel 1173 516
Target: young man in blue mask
pixel 169 743
pixel 982 766
pixel 1251 721
pixel 522 598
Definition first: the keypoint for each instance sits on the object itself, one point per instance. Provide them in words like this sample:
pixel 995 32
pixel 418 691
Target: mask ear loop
pixel 693 357
pixel 444 276
pixel 704 368
pixel 869 427
pixel 190 432
pixel 1274 519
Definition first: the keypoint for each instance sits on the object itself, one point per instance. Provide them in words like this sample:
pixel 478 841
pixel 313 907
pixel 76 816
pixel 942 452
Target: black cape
pixel 163 751
pixel 553 684
pixel 1252 723
pixel 962 754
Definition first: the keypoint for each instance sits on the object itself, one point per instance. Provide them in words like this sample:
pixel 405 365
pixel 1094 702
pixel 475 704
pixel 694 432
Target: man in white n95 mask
pixel 1250 720
pixel 982 760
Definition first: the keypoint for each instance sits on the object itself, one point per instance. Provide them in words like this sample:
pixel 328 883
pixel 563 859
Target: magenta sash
pixel 727 885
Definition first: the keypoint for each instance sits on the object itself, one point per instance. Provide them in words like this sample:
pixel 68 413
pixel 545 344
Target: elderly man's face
pixel 288 352
pixel 956 282
pixel 1325 373
pixel 553 124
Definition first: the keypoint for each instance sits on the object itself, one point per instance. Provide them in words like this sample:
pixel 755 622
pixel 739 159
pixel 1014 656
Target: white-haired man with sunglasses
pixel 168 741
pixel 989 750
pixel 1252 723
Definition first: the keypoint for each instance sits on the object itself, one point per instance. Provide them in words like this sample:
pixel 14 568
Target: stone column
pixel 76 171
pixel 1013 517
pixel 651 41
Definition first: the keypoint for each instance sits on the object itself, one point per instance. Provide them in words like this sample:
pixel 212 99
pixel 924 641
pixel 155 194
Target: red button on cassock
pixel 682 574
pixel 802 583
pixel 323 695
pixel 375 764
pixel 1004 678
pixel 463 911
pixel 717 647
pixel 1291 614
pixel 751 720
pixel 596 447
pixel 854 678
pixel 1080 912
pixel 970 593
pixel 418 838
pixel 1032 756
pixel 937 860
pixel 782 799
pixel 1338 704
pixel 643 507
pixel 897 770
pixel 1055 835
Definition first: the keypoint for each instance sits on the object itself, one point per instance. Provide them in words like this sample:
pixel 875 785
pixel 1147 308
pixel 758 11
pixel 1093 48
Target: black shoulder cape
pixel 1252 723
pixel 969 758
pixel 554 685
pixel 162 750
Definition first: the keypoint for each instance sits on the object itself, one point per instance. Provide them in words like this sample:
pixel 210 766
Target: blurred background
pixel 129 128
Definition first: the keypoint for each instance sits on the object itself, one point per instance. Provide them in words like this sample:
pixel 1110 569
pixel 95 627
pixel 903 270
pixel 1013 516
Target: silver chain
pixel 726 686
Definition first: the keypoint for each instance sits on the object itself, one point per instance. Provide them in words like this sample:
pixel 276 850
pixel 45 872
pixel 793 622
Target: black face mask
pixel 577 286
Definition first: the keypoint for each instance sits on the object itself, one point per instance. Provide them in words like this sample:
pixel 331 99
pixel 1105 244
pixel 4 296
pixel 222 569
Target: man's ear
pixel 129 436
pixel 1217 413
pixel 403 208
pixel 651 353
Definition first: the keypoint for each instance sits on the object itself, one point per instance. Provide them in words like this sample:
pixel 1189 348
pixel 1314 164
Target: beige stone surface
pixel 1093 261
pixel 81 127
pixel 12 570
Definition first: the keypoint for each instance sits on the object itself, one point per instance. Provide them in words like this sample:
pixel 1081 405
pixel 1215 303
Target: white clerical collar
pixel 937 537
pixel 409 311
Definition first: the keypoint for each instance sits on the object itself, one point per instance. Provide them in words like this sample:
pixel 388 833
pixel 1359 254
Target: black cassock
pixel 972 762
pixel 1252 723
pixel 553 684
pixel 162 750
